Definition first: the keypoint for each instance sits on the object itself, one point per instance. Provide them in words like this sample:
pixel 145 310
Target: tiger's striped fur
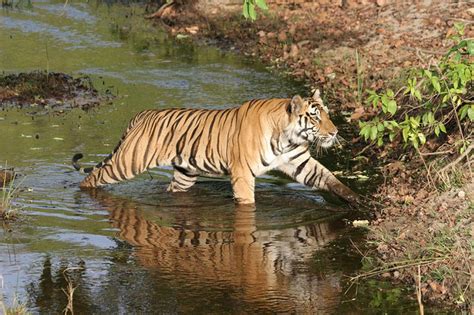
pixel 242 142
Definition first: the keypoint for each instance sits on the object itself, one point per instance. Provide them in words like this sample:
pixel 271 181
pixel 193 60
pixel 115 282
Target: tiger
pixel 242 142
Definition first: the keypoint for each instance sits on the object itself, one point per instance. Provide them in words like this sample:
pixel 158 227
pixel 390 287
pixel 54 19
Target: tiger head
pixel 310 122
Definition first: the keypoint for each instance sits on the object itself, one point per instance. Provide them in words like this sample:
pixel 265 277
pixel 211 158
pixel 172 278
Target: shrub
pixel 433 98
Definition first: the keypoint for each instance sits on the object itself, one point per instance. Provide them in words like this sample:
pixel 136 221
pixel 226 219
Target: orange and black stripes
pixel 243 142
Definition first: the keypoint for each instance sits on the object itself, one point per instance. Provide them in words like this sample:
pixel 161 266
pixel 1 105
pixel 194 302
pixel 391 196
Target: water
pixel 133 248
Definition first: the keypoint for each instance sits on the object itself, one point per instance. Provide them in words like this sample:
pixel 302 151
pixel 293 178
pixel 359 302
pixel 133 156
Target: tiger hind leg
pixel 182 180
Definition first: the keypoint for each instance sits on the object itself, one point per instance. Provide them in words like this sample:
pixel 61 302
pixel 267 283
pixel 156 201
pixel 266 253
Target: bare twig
pixel 459 159
pixel 437 153
pixel 381 270
pixel 418 292
pixel 69 291
pixel 426 51
pixel 430 178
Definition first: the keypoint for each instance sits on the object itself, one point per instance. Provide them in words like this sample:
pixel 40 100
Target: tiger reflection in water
pixel 261 265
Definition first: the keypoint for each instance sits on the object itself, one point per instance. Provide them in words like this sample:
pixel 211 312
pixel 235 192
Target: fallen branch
pixel 381 270
pixel 459 159
pixel 161 11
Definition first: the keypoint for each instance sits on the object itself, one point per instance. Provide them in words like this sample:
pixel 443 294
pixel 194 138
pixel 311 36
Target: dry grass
pixel 17 308
pixel 426 241
pixel 69 291
pixel 8 191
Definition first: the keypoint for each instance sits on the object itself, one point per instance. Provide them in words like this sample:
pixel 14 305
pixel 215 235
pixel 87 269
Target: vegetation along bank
pixel 401 74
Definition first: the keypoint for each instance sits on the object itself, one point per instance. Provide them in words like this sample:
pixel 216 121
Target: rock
pixel 470 11
pixel 381 3
pixel 396 274
pixel 461 194
pixel 261 34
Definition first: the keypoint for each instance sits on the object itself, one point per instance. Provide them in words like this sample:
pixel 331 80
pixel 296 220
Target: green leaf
pixel 365 131
pixel 431 118
pixel 245 9
pixel 417 94
pixel 422 138
pixel 427 73
pixel 380 127
pixel 252 13
pixel 261 4
pixel 373 133
pixel 391 136
pixel 390 93
pixel 436 131
pixel 435 83
pixel 442 127
pixel 405 134
pixel 470 113
pixel 385 101
pixel 463 112
pixel 415 122
pixel 414 141
pixel 392 107
pixel 445 98
pixel 470 47
pixel 380 141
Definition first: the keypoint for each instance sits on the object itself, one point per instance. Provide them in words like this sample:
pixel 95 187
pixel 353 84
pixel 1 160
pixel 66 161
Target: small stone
pixel 386 274
pixel 261 34
pixel 470 11
pixel 396 274
pixel 381 3
pixel 461 194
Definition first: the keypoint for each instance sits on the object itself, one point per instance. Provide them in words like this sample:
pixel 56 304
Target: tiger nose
pixel 333 133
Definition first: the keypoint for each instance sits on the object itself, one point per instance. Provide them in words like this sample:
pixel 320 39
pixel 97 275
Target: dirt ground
pixel 43 92
pixel 346 47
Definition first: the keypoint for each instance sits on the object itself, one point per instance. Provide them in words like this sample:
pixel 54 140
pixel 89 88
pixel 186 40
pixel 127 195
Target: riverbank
pixel 421 235
pixel 44 92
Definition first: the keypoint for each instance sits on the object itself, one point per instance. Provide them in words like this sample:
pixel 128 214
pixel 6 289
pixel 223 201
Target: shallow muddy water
pixel 132 247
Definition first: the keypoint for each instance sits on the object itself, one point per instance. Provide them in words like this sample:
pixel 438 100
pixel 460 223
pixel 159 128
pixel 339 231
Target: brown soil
pixel 345 47
pixel 48 91
pixel 341 48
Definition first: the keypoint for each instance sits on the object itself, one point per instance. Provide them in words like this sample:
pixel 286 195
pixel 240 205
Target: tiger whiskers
pixel 316 147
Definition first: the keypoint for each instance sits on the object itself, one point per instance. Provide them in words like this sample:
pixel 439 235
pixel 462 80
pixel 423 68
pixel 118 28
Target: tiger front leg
pixel 182 180
pixel 243 185
pixel 310 172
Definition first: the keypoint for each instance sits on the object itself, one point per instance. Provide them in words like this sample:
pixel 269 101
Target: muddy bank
pixel 347 48
pixel 343 47
pixel 49 91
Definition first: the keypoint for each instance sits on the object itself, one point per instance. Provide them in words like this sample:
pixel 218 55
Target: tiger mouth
pixel 327 141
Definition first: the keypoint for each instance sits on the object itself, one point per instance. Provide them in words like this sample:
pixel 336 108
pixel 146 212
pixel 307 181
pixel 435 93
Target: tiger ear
pixel 316 95
pixel 296 105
